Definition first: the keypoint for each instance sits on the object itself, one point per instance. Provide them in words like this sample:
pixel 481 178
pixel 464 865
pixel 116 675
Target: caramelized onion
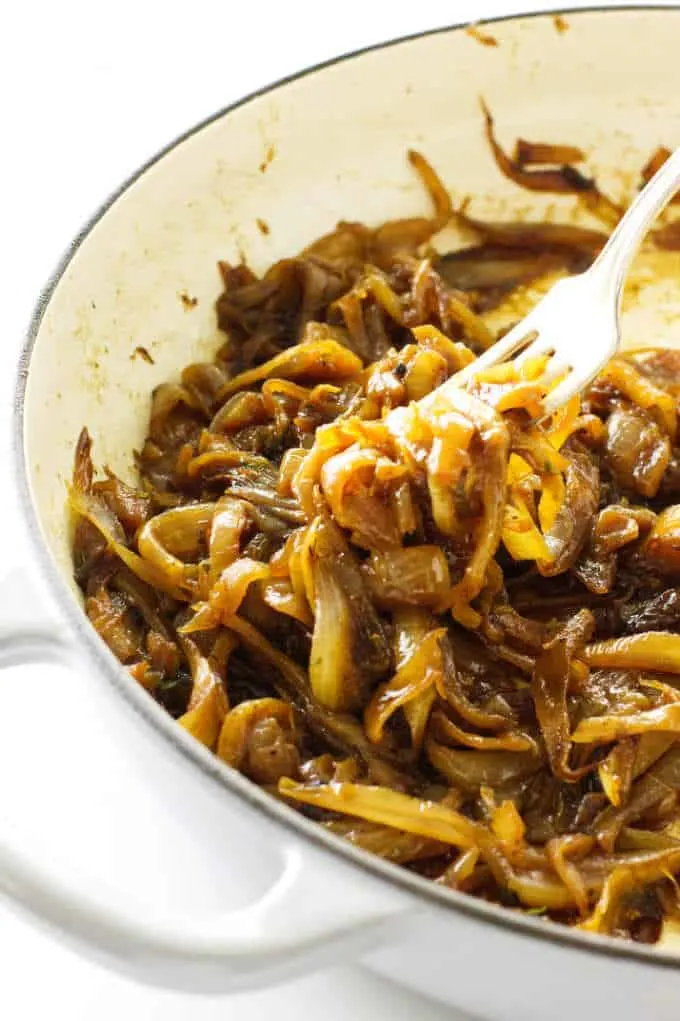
pixel 652 650
pixel 376 804
pixel 564 179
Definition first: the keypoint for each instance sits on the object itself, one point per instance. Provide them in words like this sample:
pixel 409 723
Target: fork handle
pixel 614 260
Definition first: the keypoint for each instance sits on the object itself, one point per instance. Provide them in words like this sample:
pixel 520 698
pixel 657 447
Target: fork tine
pixel 497 353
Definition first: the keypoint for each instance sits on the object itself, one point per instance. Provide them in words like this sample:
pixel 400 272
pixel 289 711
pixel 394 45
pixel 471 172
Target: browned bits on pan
pixel 143 353
pixel 269 154
pixel 485 38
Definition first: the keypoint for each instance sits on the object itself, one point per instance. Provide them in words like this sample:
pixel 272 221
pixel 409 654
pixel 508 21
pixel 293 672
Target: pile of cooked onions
pixel 447 633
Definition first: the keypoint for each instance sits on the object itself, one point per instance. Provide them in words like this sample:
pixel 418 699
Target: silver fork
pixel 577 324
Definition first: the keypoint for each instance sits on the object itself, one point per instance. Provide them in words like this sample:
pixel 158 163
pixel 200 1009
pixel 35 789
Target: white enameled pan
pixel 327 144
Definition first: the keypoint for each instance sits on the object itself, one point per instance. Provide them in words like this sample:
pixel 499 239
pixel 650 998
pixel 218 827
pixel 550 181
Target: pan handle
pixel 319 909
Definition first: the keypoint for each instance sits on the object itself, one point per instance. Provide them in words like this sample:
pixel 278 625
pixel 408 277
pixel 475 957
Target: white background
pixel 88 92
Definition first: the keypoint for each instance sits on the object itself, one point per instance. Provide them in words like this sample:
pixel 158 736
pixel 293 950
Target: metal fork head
pixel 575 327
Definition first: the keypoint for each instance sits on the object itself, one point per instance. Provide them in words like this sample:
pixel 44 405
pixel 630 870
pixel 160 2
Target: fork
pixel 576 326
